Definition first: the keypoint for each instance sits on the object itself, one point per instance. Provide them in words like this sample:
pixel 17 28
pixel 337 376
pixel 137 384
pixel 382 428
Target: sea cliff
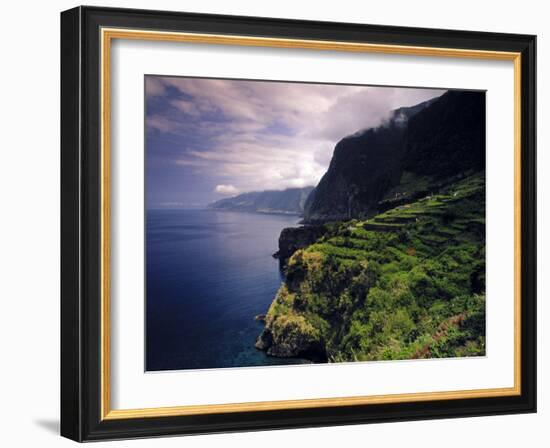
pixel 391 262
pixel 408 283
pixel 416 149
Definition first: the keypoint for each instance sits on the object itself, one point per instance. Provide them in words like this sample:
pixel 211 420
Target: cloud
pixel 187 107
pixel 227 190
pixel 162 124
pixel 257 135
pixel 191 162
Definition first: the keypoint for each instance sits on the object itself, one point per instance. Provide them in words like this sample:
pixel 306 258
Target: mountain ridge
pixel 287 201
pixel 442 137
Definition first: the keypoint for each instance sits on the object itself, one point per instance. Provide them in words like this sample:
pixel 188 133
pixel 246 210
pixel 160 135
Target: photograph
pixel 295 223
pixel 280 222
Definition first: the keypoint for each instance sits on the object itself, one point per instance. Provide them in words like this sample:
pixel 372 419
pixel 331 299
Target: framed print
pixel 274 224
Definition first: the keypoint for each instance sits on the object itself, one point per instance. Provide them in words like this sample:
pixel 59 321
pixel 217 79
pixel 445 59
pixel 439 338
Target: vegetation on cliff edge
pixel 407 283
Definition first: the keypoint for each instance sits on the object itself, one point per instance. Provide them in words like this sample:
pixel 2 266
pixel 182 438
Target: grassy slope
pixel 408 283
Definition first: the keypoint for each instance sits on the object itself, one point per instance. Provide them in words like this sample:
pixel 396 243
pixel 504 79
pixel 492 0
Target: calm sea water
pixel 209 273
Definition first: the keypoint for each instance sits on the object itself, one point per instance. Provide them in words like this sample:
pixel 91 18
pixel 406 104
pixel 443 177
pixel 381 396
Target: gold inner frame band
pixel 107 35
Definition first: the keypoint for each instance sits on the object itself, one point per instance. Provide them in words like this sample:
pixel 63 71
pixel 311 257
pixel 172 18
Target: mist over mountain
pixel 418 147
pixel 288 201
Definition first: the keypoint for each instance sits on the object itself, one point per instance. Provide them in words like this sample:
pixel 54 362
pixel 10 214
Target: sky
pixel 207 139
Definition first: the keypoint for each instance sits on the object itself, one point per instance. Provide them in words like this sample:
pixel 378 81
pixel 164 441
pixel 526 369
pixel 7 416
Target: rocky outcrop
pixel 291 343
pixel 291 335
pixel 294 238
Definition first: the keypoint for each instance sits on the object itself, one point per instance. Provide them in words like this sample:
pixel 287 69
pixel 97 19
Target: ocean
pixel 208 274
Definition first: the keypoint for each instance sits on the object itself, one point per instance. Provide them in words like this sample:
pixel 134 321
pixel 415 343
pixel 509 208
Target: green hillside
pixel 407 283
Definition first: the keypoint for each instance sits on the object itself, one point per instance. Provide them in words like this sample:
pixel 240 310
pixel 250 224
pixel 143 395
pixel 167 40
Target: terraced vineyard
pixel 408 283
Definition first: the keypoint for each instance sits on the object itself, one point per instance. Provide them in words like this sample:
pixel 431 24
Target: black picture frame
pixel 81 224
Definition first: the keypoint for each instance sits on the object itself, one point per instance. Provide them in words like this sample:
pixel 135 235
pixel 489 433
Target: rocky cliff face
pixel 294 238
pixel 289 201
pixel 435 139
pixel 291 337
pixel 448 137
pixel 362 169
